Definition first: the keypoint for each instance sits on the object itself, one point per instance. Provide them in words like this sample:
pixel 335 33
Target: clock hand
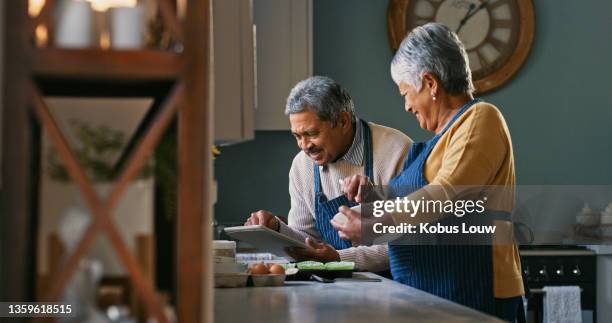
pixel 467 14
pixel 470 13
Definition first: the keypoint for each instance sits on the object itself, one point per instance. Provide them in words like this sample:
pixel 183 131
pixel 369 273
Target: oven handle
pixel 542 291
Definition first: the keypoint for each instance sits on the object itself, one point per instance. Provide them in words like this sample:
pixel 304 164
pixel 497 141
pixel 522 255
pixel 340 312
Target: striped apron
pixel 462 274
pixel 326 209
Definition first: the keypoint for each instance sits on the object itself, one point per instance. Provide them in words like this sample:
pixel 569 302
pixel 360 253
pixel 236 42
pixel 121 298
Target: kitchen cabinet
pixel 261 49
pixel 284 56
pixel 234 70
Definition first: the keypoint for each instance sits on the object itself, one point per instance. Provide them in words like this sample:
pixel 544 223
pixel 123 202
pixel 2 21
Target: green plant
pixel 97 149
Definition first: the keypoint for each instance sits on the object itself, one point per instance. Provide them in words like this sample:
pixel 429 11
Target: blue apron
pixel 462 274
pixel 326 209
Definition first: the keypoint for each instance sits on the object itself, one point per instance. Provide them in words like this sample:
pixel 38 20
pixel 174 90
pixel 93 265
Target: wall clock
pixel 497 34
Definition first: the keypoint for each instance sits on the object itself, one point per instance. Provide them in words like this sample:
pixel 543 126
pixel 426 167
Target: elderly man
pixel 335 144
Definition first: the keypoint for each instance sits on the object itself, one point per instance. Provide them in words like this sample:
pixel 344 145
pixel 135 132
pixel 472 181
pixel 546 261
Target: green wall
pixel 558 106
pixel 254 175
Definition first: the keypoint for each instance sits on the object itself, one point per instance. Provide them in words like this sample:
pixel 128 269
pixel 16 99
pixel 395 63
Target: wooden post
pixel 17 232
pixel 194 272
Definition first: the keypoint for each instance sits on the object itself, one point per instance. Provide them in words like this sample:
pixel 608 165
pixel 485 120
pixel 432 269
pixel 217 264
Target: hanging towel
pixel 562 304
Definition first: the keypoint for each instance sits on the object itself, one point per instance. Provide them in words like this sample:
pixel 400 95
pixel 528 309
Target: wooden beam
pixel 59 277
pixel 75 170
pixel 145 146
pixel 143 285
pixel 139 133
pixel 194 272
pixel 114 65
pixel 170 19
pixel 17 278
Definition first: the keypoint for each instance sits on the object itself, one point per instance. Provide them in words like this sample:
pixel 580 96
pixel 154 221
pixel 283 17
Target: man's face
pixel 322 143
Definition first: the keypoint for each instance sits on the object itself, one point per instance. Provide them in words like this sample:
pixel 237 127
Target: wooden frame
pixel 102 209
pixel 396 28
pixel 194 244
pixel 189 98
pixel 17 276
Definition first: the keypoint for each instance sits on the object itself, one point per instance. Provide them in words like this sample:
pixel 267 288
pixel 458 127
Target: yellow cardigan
pixel 477 150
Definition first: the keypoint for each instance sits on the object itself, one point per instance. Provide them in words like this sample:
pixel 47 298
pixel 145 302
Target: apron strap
pixel 458 114
pixel 368 151
pixel 317 179
pixel 498 215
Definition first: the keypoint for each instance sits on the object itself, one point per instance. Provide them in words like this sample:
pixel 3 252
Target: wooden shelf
pixel 179 92
pixel 105 73
pixel 97 64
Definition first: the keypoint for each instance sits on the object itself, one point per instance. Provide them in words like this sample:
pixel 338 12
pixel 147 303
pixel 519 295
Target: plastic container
pixel 224 251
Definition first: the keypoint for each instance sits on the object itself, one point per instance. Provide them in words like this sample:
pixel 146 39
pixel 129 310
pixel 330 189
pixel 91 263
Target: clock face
pixel 494 32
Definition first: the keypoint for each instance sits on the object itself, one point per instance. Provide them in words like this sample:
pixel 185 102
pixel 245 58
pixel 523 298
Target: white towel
pixel 562 304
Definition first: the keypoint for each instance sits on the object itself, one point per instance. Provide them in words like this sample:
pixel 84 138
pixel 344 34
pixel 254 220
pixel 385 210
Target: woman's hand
pixel 351 229
pixel 352 187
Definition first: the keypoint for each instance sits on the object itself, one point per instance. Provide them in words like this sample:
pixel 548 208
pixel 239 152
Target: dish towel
pixel 562 304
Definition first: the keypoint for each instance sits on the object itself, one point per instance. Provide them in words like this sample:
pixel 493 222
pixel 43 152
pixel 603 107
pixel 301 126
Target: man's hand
pixel 351 229
pixel 264 218
pixel 319 251
pixel 352 187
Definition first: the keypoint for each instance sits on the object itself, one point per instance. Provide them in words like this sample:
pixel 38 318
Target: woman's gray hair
pixel 321 95
pixel 433 48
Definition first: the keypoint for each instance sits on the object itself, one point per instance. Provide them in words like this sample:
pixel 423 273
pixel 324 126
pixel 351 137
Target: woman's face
pixel 420 104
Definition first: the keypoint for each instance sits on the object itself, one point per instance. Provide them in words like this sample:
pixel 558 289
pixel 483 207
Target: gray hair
pixel 323 96
pixel 433 48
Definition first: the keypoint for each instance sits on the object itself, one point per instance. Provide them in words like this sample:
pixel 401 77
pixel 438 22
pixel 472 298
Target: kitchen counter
pixel 601 250
pixel 342 301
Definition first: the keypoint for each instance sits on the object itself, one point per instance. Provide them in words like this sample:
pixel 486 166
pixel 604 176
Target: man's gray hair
pixel 433 48
pixel 321 95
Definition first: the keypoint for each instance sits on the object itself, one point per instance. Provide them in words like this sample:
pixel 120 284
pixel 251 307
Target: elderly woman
pixel 471 146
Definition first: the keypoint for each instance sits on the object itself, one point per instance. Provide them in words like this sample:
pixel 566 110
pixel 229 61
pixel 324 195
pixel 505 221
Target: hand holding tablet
pixel 264 239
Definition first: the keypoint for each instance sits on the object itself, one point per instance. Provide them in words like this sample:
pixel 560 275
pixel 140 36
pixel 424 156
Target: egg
pixel 259 269
pixel 277 270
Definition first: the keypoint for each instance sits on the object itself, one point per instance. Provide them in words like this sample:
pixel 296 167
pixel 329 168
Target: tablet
pixel 264 238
